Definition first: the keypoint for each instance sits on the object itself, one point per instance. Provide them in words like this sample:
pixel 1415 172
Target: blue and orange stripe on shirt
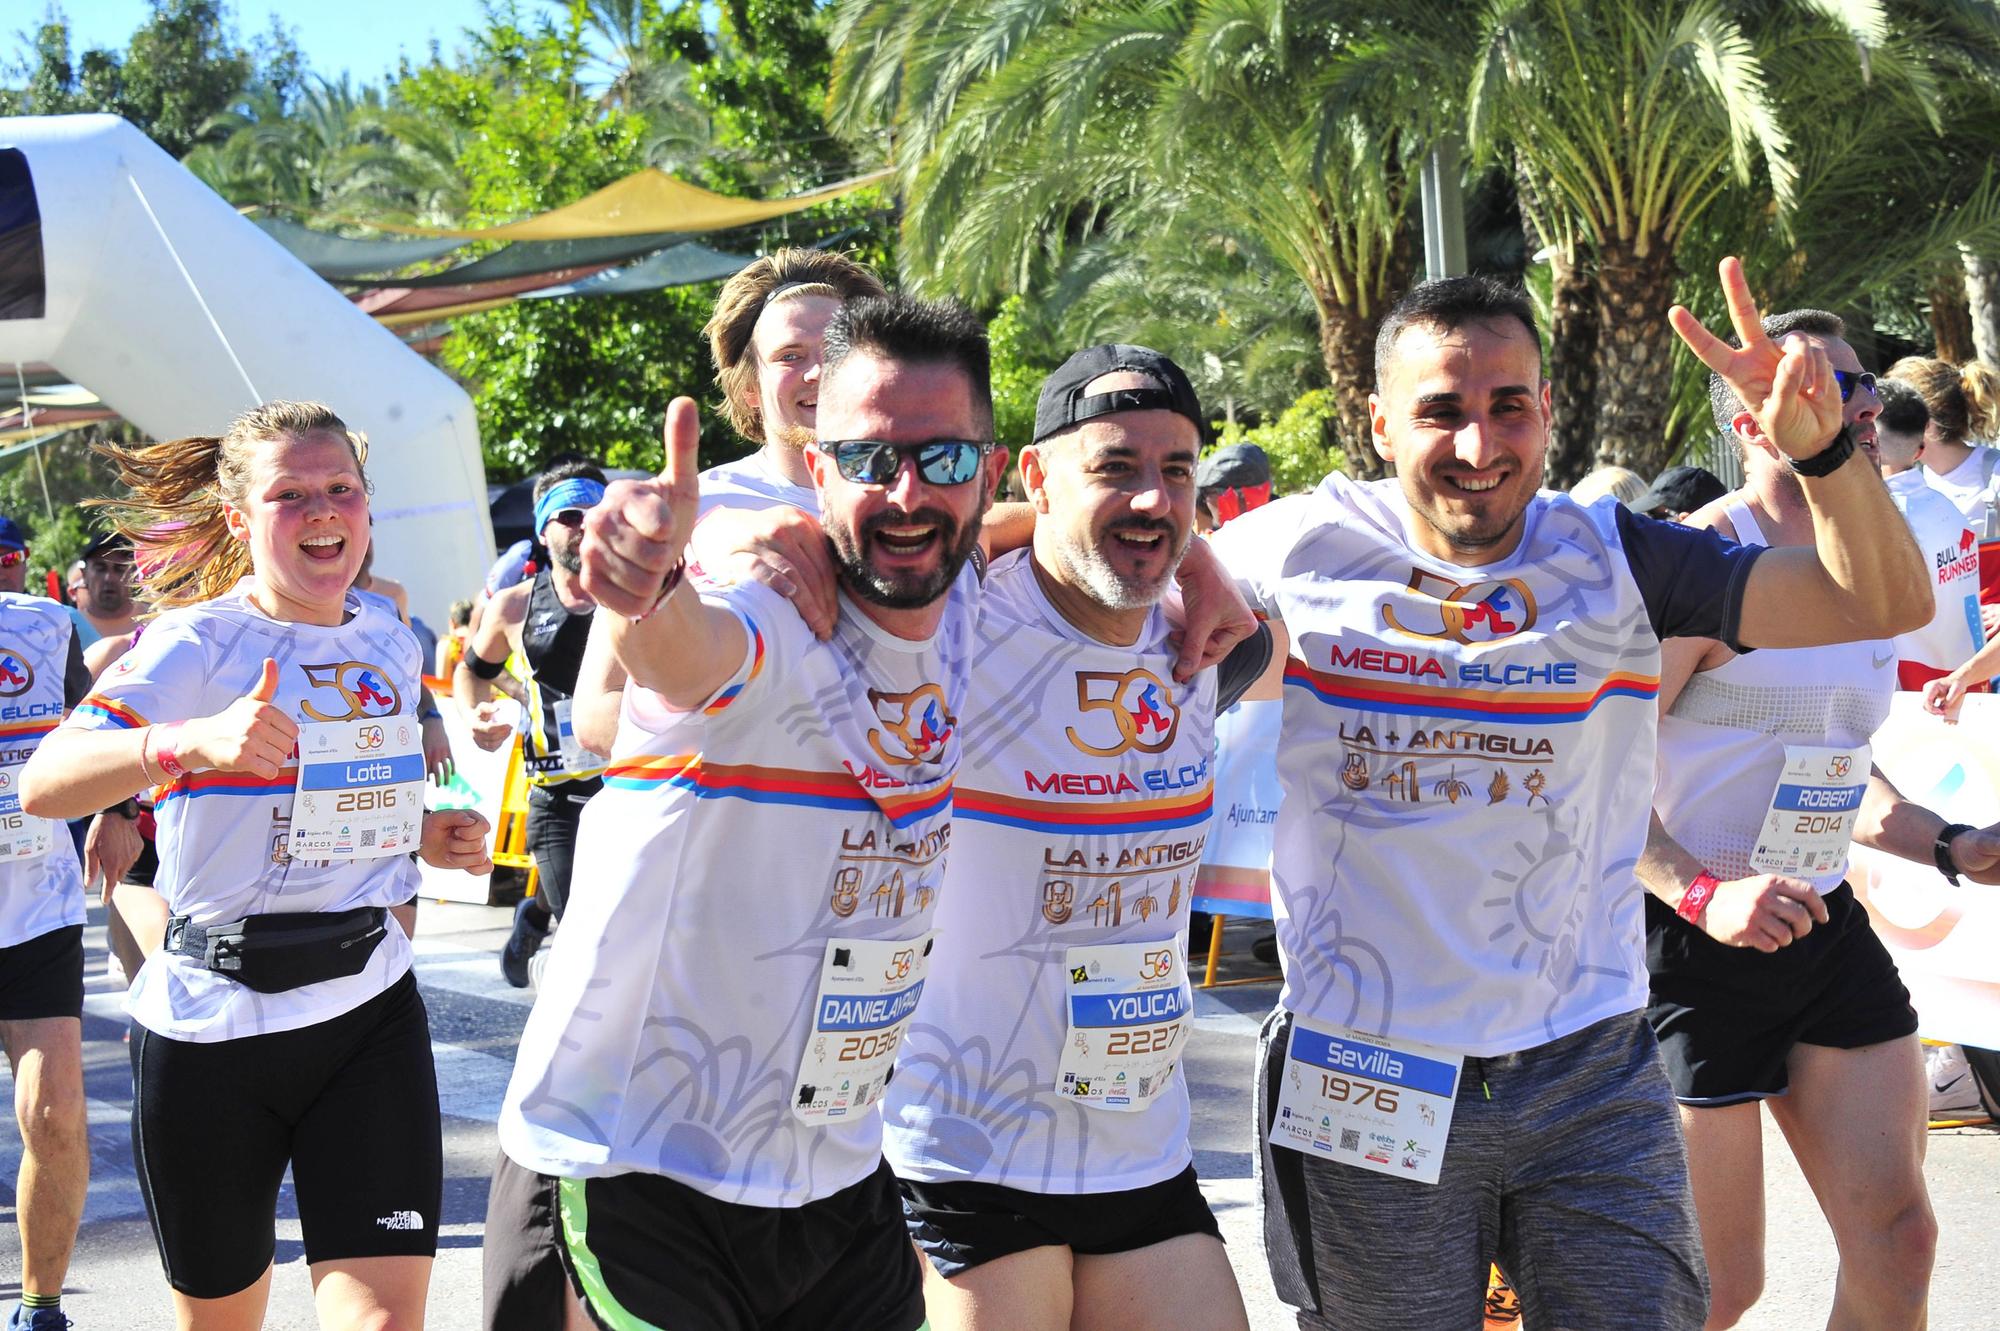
pixel 775 785
pixel 196 784
pixel 1518 707
pixel 117 713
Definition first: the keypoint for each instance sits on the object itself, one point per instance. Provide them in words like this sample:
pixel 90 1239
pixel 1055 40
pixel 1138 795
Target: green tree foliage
pixel 1301 443
pixel 56 526
pixel 181 67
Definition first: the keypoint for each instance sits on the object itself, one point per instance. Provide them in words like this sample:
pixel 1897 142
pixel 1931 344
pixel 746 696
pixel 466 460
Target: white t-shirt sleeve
pixel 773 638
pixel 165 676
pixel 1253 549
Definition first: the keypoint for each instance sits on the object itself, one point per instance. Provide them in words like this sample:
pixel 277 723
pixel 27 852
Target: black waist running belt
pixel 273 953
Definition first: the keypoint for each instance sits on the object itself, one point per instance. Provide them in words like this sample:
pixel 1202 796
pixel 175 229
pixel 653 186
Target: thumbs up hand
pixel 250 735
pixel 635 536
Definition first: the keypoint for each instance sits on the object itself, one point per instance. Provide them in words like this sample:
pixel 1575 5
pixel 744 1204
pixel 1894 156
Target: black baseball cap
pixel 1237 467
pixel 105 543
pixel 1682 489
pixel 1064 403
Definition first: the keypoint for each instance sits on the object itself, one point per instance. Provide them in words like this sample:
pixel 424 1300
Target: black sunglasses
pixel 939 462
pixel 1849 381
pixel 569 517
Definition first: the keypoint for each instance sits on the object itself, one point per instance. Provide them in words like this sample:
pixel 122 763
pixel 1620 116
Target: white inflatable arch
pixel 179 313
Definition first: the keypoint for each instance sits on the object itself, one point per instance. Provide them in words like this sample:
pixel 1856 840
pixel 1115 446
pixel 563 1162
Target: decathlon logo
pixel 16 675
pixel 1465 612
pixel 363 689
pixel 917 725
pixel 1135 702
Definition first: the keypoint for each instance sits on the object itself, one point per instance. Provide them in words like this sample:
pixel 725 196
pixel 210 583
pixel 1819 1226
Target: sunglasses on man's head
pixel 1849 381
pixel 939 462
pixel 9 558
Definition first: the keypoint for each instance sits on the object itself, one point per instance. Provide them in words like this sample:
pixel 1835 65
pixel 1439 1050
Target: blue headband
pixel 576 492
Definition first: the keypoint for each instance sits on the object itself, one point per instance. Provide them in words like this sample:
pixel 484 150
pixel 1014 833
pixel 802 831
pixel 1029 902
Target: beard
pixel 902 590
pixel 568 558
pixel 1084 565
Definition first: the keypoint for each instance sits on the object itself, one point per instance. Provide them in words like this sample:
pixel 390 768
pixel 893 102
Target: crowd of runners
pixel 867 805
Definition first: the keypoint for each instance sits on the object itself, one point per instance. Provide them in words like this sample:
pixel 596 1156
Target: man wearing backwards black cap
pixel 1679 491
pixel 1038 1121
pixel 547 620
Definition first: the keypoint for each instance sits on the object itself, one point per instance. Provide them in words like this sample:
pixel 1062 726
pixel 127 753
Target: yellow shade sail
pixel 645 202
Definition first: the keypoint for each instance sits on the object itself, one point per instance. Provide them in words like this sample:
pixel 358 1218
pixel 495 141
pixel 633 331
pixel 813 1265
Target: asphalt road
pixel 115 1278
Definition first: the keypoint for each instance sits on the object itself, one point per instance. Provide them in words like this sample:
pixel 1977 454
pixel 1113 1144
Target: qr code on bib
pixel 1350 1139
pixel 367 837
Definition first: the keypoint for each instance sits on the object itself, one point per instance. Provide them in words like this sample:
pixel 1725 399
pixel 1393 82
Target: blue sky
pixel 362 37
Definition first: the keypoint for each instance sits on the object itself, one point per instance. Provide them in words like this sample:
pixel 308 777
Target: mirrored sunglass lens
pixel 948 464
pixel 870 464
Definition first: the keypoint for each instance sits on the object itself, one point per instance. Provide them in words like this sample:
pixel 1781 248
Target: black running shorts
pixel 645 1251
pixel 43 977
pixel 1727 1017
pixel 350 1104
pixel 961 1225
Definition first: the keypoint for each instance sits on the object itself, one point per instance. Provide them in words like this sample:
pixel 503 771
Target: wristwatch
pixel 1828 459
pixel 1941 850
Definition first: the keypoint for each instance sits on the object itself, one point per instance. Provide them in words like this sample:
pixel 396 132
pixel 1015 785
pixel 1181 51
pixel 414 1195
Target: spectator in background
pixel 1964 403
pixel 1229 482
pixel 73 583
pixel 1628 487
pixel 1679 491
pixel 451 647
pixel 13 557
pixel 1949 546
pixel 106 608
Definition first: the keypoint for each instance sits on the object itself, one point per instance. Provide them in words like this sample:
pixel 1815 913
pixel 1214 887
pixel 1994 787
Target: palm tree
pixel 1024 129
pixel 1634 124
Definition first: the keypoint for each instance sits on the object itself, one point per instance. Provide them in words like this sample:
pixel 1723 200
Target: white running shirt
pixel 1971 486
pixel 38 893
pixel 1083 803
pixel 1467 758
pixel 808 802
pixel 1722 745
pixel 222 835
pixel 1951 553
pixel 751 482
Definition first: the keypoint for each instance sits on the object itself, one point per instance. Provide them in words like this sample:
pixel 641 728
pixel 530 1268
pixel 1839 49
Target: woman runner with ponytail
pixel 281 1024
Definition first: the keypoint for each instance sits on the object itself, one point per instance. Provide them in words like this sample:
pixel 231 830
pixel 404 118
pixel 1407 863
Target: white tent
pixel 179 314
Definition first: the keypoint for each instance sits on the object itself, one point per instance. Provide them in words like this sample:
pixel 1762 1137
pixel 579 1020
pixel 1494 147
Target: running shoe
pixel 522 945
pixel 1953 1093
pixel 40 1319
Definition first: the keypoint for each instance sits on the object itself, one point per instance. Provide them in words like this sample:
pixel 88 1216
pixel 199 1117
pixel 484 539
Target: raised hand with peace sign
pixel 1789 389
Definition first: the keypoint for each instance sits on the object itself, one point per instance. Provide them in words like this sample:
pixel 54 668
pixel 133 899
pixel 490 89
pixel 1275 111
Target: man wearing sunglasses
pixel 13 557
pixel 546 619
pixel 1777 993
pixel 703 1069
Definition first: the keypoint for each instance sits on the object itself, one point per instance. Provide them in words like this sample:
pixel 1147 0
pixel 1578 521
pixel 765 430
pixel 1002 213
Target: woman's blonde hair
pixel 1964 400
pixel 176 492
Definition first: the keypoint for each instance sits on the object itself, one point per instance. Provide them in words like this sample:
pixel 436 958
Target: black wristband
pixel 1941 850
pixel 126 809
pixel 1828 459
pixel 482 668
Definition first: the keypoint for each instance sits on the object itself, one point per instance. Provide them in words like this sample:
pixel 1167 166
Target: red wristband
pixel 674 576
pixel 164 738
pixel 1695 900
